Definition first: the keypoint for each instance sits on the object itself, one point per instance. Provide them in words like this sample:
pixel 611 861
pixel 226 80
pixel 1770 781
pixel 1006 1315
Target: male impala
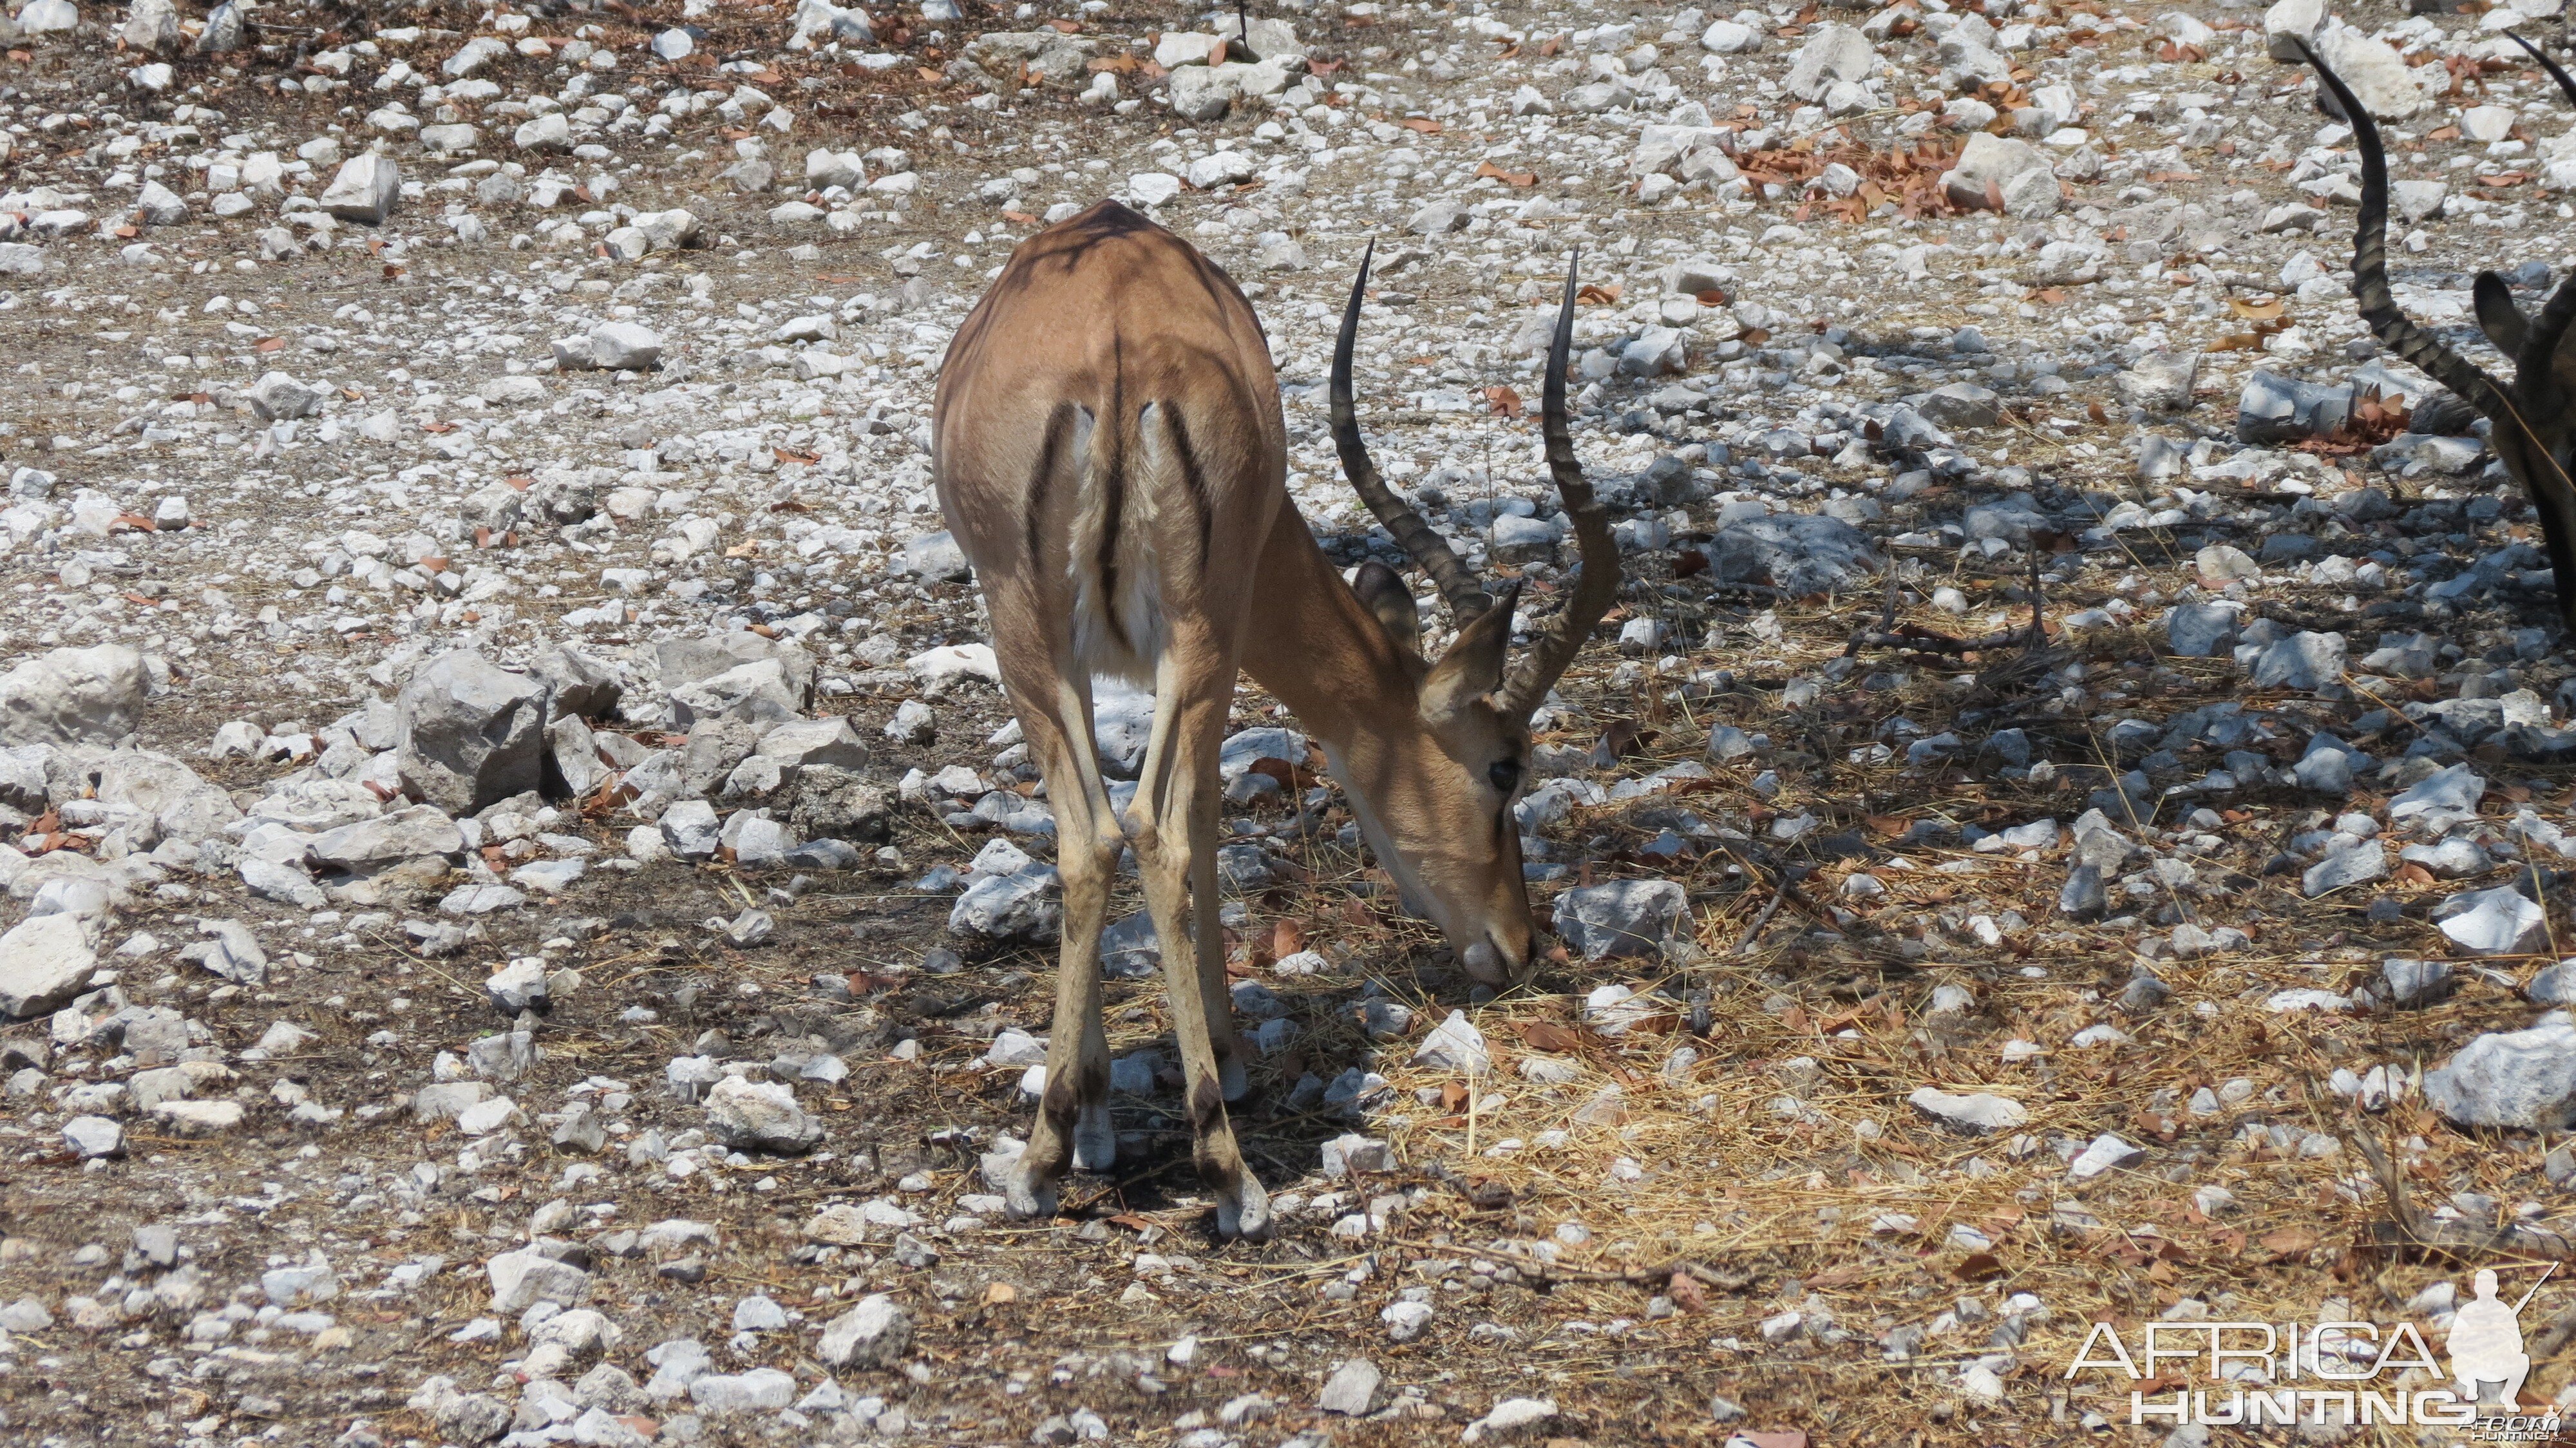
pixel 2531 426
pixel 1111 457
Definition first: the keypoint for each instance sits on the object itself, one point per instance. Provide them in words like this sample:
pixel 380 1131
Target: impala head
pixel 1434 784
pixel 2534 430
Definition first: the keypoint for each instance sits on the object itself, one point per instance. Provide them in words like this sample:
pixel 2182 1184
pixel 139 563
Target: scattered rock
pixel 2524 1079
pixel 1620 918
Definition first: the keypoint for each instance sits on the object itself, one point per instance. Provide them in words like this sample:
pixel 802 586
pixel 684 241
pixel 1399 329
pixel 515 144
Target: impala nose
pixel 1497 958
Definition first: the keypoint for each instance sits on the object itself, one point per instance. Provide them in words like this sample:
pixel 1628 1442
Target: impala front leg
pixel 1176 849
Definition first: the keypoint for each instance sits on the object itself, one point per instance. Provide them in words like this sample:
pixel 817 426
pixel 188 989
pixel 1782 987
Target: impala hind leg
pixel 1073 1127
pixel 1176 808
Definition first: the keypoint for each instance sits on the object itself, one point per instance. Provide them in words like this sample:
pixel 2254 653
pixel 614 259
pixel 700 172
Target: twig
pixel 1753 932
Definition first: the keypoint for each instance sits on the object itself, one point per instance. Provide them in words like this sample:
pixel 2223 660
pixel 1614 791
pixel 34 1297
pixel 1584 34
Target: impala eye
pixel 1505 774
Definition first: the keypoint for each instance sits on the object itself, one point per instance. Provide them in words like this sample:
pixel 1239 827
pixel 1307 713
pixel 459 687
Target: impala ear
pixel 1384 594
pixel 2498 317
pixel 1473 666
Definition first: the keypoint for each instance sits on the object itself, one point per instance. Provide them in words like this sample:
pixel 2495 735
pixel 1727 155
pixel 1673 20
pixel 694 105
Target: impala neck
pixel 1314 646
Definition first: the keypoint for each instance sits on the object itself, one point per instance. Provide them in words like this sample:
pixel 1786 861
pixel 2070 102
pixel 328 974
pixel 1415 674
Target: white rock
pixel 74 696
pixel 2287 18
pixel 1831 53
pixel 2522 1079
pixel 90 1136
pixel 524 1278
pixel 2377 75
pixel 469 733
pixel 760 1116
pixel 366 189
pixel 874 1334
pixel 45 960
pixel 1976 1111
pixel 2106 1153
pixel 2501 921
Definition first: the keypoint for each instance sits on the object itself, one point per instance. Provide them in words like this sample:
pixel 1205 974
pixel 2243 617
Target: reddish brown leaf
pixel 1978 1267
pixel 1019 218
pixel 1503 401
pixel 1549 1036
pixel 1424 124
pixel 1686 1293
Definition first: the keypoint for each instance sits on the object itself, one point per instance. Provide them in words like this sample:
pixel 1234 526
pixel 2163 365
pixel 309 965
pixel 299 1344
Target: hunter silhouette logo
pixel 2256 1374
pixel 2486 1343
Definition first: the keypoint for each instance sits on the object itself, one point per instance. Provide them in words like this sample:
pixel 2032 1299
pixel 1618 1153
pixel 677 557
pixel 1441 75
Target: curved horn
pixel 2370 265
pixel 1467 601
pixel 2560 310
pixel 2566 87
pixel 1599 584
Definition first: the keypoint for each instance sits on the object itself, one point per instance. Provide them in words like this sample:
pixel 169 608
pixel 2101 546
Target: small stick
pixel 1753 932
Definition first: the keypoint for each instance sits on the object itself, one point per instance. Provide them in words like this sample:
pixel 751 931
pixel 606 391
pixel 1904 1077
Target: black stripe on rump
pixel 1193 476
pixel 1050 457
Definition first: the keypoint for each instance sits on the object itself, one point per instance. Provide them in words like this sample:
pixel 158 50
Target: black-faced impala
pixel 2530 426
pixel 1111 456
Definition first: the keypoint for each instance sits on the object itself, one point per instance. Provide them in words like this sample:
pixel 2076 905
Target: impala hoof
pixel 1095 1140
pixel 1244 1212
pixel 1026 1194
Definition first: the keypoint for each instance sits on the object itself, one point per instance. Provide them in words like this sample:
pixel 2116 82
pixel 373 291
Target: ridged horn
pixel 1467 600
pixel 2370 264
pixel 1598 586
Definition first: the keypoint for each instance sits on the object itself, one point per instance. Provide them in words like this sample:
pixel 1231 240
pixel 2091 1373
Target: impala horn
pixel 1467 600
pixel 2530 416
pixel 1598 586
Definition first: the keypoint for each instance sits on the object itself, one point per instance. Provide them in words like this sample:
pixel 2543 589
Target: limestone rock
pixel 74 696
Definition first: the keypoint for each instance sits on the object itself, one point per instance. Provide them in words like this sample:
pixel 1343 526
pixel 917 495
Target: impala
pixel 2531 430
pixel 1110 454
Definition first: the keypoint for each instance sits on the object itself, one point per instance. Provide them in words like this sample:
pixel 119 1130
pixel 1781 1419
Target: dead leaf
pixel 785 455
pixel 1019 218
pixel 1424 124
pixel 2256 311
pixel 2289 1242
pixel 1000 1292
pixel 1508 178
pixel 1978 1267
pixel 1503 401
pixel 1598 294
pixel 1549 1036
pixel 272 344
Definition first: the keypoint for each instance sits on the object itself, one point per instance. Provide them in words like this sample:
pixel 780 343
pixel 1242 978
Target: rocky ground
pixel 529 922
